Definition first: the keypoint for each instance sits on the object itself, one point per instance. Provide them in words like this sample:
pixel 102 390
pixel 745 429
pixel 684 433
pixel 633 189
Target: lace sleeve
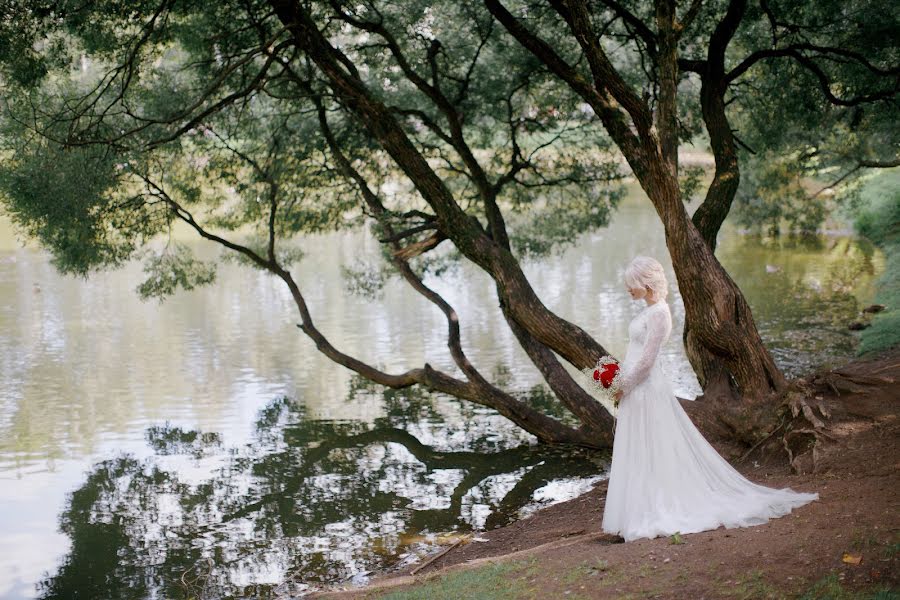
pixel 657 331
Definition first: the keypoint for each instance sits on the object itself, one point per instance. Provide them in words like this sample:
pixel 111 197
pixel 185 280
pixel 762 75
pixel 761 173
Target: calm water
pixel 202 447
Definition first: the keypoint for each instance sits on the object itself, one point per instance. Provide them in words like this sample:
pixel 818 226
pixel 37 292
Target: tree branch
pixel 514 409
pixel 576 14
pixel 710 215
pixel 689 16
pixel 456 137
pixel 641 28
pixel 862 164
pixel 794 52
pixel 603 105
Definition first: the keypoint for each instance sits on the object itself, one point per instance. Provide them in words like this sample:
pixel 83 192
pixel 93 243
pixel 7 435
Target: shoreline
pixel 858 514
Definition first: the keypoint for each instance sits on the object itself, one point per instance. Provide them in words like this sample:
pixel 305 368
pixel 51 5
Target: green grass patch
pixel 495 581
pixel 831 588
pixel 751 586
pixel 891 550
pixel 676 538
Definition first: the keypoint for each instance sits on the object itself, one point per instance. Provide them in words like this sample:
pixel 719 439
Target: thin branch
pixel 606 77
pixel 862 164
pixel 426 120
pixel 689 16
pixel 793 51
pixel 396 381
pixel 743 145
pixel 464 85
pixel 396 237
pixel 880 164
pixel 638 25
pixel 613 119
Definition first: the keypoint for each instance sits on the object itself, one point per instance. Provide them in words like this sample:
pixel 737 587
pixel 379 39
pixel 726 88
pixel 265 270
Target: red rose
pixel 608 374
pixel 596 374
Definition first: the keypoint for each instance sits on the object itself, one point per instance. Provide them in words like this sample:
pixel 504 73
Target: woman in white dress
pixel 665 478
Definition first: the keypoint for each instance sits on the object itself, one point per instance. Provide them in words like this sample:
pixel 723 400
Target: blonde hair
pixel 646 272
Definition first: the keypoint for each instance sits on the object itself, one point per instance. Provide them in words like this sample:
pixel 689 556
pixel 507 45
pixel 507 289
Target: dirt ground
pixel 562 553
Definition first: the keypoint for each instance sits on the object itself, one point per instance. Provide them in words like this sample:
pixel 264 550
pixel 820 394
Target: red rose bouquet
pixel 603 382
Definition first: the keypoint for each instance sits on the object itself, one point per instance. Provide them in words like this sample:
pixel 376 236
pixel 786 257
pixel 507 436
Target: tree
pixel 301 104
pixel 720 336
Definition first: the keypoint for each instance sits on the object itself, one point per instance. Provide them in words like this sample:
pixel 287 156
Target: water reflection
pixel 308 502
pixel 804 291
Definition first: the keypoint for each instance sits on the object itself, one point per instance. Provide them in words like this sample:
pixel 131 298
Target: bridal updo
pixel 644 272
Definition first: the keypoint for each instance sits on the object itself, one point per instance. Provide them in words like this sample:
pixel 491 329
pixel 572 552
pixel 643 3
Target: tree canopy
pixel 503 127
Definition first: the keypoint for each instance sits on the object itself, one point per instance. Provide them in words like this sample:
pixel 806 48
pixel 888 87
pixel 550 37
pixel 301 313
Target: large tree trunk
pixel 721 388
pixel 538 329
pixel 722 336
pixel 737 372
pixel 735 369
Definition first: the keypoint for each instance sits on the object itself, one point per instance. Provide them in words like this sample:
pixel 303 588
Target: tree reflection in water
pixel 310 502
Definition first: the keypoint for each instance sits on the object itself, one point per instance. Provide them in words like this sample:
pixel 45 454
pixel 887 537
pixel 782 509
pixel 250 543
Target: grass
pixel 891 550
pixel 510 581
pixel 494 581
pixel 751 586
pixel 878 219
pixel 594 574
pixel 676 538
pixel 831 588
pixel 583 571
pixel 515 580
pixel 864 542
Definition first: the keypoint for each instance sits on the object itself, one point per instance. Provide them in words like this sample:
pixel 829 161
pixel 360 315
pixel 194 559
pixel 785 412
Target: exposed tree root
pixel 807 421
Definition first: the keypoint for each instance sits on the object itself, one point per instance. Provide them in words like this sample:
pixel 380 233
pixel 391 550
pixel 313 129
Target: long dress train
pixel 665 477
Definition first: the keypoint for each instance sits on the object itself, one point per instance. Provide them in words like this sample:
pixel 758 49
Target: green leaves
pixel 212 102
pixel 843 49
pixel 175 267
pixel 556 222
pixel 772 198
pixel 65 199
pixel 365 280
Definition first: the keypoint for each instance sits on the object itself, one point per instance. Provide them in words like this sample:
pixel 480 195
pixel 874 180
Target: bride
pixel 665 477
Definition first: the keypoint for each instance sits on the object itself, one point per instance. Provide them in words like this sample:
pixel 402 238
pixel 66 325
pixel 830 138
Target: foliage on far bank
pixel 878 219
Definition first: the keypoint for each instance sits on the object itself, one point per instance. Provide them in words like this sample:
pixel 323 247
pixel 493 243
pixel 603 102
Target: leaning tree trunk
pixel 735 370
pixel 741 375
pixel 742 408
pixel 540 331
pixel 714 378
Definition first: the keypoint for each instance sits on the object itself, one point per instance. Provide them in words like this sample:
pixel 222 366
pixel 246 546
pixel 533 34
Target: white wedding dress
pixel 665 477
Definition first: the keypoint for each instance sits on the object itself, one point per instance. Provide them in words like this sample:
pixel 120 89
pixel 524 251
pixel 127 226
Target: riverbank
pixel 846 545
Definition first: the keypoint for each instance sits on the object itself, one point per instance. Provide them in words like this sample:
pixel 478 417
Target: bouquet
pixel 603 383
